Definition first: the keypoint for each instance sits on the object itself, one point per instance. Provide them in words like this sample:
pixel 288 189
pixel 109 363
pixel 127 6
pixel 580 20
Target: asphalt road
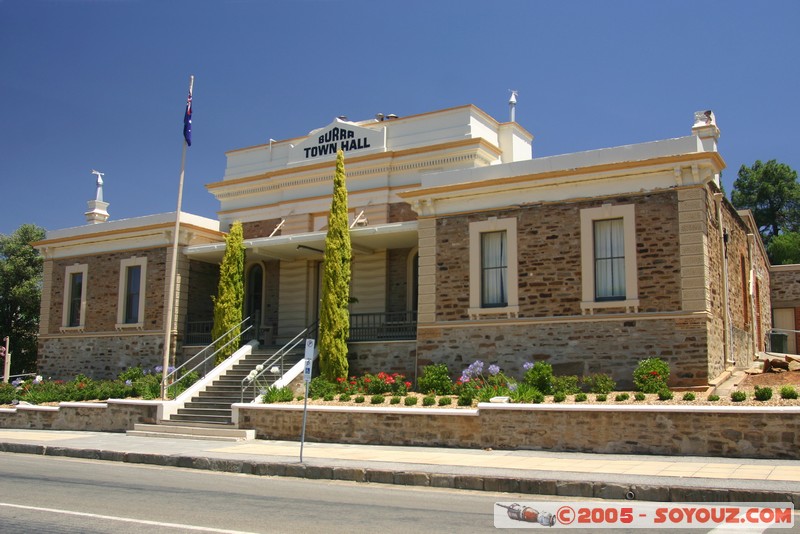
pixel 63 495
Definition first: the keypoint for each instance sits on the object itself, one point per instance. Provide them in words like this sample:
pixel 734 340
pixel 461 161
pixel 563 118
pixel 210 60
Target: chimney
pixel 512 106
pixel 705 127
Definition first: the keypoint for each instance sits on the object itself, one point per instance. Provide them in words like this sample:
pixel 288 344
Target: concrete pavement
pixel 609 476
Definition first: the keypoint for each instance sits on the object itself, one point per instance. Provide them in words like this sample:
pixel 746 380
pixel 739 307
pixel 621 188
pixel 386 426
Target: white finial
pixel 100 175
pixel 512 104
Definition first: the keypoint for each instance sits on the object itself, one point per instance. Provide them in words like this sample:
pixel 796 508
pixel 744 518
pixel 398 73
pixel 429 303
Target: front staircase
pixel 208 415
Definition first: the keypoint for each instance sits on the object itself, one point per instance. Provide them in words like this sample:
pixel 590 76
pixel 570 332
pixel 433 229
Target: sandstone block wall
pixel 98 357
pixel 387 356
pixel 761 433
pixel 577 347
pixel 110 416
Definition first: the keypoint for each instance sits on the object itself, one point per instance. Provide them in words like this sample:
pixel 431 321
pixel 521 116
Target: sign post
pixel 7 360
pixel 309 362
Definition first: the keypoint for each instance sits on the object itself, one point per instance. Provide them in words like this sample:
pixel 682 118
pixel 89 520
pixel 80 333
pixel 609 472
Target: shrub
pixel 688 396
pixel 763 394
pixel 377 399
pixel 540 376
pixel 319 387
pixel 598 383
pixel 274 394
pixel 395 400
pixel 622 397
pixel 788 392
pixel 344 397
pixel 301 397
pixel 526 394
pixel 7 393
pixel 328 397
pixel 664 394
pixel 712 398
pixel 559 396
pixel 435 379
pixel 651 375
pixel 639 396
pixel 359 399
pixel 738 396
pixel 430 400
pixel 565 384
pixel 410 401
pixel 445 401
pixel 580 397
pixel 465 399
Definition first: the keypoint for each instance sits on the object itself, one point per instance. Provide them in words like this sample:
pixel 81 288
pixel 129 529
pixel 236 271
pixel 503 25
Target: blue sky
pixel 102 84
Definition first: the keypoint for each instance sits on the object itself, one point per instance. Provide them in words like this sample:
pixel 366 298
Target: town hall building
pixel 465 247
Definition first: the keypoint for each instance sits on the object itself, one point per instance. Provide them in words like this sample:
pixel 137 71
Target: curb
pixel 587 489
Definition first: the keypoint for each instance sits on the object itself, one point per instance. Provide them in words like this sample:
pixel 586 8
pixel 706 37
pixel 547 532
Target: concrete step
pixel 186 431
pixel 222 412
pixel 211 419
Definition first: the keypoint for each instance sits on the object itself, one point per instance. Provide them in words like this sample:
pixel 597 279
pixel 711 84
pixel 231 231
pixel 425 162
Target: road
pixel 63 495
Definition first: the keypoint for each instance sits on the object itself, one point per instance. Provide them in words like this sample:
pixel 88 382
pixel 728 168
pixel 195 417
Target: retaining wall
pixel 110 416
pixel 729 431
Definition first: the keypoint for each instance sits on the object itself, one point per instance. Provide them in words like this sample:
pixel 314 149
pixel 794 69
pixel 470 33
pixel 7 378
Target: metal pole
pixel 172 269
pixel 7 365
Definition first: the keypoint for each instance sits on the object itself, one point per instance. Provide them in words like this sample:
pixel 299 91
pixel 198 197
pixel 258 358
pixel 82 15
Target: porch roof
pixel 311 245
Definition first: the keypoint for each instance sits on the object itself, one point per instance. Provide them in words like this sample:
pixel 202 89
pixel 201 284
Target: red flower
pixel 340 379
pixel 408 384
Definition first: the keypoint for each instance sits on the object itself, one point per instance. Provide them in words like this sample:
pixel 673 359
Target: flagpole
pixel 174 264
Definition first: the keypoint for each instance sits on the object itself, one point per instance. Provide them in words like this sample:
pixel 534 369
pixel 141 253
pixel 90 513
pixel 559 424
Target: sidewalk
pixel 609 476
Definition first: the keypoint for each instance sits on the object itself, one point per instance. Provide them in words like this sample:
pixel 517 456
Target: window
pixel 130 304
pixel 493 268
pixel 74 309
pixel 608 258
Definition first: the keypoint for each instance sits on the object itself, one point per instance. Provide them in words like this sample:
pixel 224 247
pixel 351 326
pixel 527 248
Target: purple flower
pixel 527 366
pixel 129 382
pixel 158 368
pixel 170 370
pixel 493 369
pixel 17 382
pixel 512 386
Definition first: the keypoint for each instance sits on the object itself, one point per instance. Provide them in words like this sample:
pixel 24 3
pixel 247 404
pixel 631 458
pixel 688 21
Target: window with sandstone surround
pixel 74 306
pixel 493 268
pixel 130 297
pixel 608 258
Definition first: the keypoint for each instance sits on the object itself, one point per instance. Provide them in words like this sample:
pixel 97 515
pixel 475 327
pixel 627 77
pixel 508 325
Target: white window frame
pixel 122 293
pixel 83 269
pixel 493 224
pixel 626 212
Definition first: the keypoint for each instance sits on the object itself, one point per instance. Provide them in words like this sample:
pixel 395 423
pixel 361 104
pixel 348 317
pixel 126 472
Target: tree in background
pixel 334 316
pixel 230 292
pixel 21 294
pixel 771 192
pixel 784 249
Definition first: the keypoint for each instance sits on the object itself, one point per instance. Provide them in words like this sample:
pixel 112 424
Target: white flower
pixel 275 370
pixel 38 379
pixel 251 376
pixel 259 367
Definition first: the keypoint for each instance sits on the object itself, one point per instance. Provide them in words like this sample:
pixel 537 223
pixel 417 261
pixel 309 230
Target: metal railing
pixel 257 380
pixel 383 326
pixel 204 362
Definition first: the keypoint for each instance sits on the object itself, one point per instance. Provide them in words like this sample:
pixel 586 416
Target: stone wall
pixel 254 229
pixel 203 282
pixel 785 285
pixel 719 431
pixel 574 347
pixel 397 279
pixel 102 289
pixel 110 416
pixel 388 356
pixel 98 357
pixel 549 256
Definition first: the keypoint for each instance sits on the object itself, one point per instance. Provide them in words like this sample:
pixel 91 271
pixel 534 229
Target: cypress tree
pixel 334 317
pixel 230 292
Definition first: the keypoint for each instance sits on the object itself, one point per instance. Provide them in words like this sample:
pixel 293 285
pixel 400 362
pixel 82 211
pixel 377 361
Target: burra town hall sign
pixel 339 135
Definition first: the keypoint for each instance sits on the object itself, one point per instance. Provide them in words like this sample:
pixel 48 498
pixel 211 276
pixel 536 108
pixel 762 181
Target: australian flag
pixel 187 121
